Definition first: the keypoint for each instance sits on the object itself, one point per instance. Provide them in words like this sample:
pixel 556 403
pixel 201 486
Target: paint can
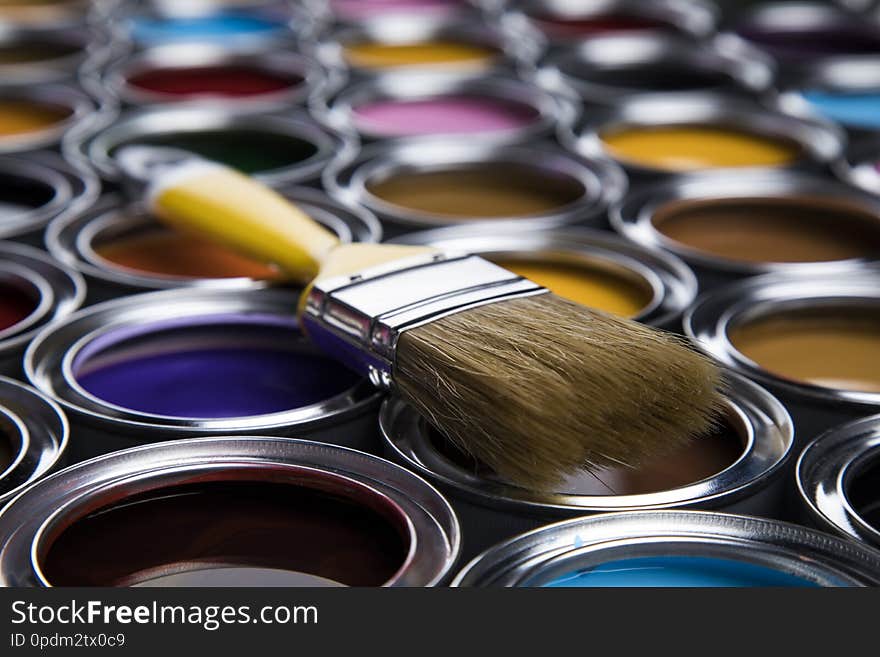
pixel 837 479
pixel 38 116
pixel 673 549
pixel 35 290
pixel 262 25
pixel 230 511
pixel 842 89
pixel 434 181
pixel 37 187
pixel 401 104
pixel 122 249
pixel 416 42
pixel 276 148
pixel 191 362
pixel 655 134
pixel 605 70
pixel 801 34
pixel 195 72
pixel 40 56
pixel 587 266
pixel 33 437
pixel 737 468
pixel 730 225
pixel 813 341
pixel 860 165
pixel 555 23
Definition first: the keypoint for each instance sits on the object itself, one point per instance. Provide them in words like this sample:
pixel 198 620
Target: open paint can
pixel 246 511
pixel 585 266
pixel 814 341
pixel 674 549
pixel 554 23
pixel 838 478
pixel 660 134
pixel 40 56
pixel 604 70
pixel 38 187
pixel 35 290
pixel 121 248
pixel 180 363
pixel 196 72
pixel 33 437
pixel 738 467
pixel 415 41
pixel 801 34
pixel 496 108
pixel 730 225
pixel 38 116
pixel 277 149
pixel 435 181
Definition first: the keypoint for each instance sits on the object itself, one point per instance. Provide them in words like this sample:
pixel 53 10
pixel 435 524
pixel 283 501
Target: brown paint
pixel 831 346
pixel 786 229
pixel 705 457
pixel 201 530
pixel 172 253
pixel 486 191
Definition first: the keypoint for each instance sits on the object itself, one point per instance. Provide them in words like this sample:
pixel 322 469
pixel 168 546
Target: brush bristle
pixel 539 387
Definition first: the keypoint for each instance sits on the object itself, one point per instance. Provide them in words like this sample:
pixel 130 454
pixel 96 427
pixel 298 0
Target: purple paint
pixel 442 115
pixel 210 367
pixel 361 9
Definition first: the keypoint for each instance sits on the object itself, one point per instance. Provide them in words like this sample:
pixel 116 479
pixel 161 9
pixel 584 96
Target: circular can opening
pixel 445 114
pixel 593 282
pixel 836 38
pixel 672 570
pixel 559 25
pixel 698 146
pixel 20 195
pixel 249 150
pixel 772 230
pixel 831 346
pixel 442 52
pixel 659 76
pixel 41 12
pixel 159 251
pixel 354 10
pixel 705 457
pixel 212 26
pixel 223 81
pixel 35 51
pixel 309 531
pixel 862 489
pixel 208 367
pixel 853 108
pixel 21 118
pixel 487 190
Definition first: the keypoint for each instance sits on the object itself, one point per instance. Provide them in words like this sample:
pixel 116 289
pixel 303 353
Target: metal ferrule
pixel 360 318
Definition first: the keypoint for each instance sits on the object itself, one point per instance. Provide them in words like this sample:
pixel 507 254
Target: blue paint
pixel 854 109
pixel 678 571
pixel 220 367
pixel 212 27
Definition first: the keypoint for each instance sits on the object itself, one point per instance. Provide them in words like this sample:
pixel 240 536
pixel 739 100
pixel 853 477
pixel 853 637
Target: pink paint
pixel 442 115
pixel 359 9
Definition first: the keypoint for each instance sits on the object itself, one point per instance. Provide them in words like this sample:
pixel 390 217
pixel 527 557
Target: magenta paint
pixel 363 9
pixel 460 114
pixel 218 366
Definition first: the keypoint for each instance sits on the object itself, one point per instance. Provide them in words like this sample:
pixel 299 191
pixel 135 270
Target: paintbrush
pixel 532 385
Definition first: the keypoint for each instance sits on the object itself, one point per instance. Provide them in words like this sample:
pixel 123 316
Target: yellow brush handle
pixel 235 210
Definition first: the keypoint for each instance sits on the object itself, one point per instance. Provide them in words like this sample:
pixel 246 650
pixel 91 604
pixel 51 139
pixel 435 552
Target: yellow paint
pixel 428 53
pixel 836 347
pixel 586 283
pixel 18 117
pixel 685 148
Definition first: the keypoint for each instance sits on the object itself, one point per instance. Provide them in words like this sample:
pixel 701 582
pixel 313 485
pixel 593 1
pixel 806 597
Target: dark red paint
pixel 223 81
pixel 15 305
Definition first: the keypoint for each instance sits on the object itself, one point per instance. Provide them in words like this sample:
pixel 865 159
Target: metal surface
pixel 434 531
pixel 540 556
